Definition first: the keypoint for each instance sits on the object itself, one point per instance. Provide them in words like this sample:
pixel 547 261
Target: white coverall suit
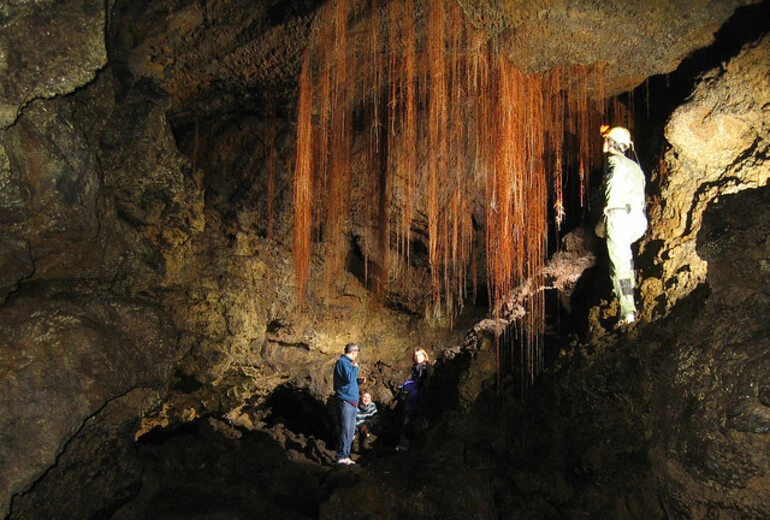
pixel 624 184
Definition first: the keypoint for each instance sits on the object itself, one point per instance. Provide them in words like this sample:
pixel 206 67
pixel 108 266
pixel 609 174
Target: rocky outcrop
pixel 64 357
pixel 719 145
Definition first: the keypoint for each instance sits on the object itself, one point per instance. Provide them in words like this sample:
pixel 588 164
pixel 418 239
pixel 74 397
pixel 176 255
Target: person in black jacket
pixel 413 387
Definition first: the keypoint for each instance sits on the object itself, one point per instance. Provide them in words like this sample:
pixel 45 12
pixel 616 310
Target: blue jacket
pixel 346 380
pixel 414 385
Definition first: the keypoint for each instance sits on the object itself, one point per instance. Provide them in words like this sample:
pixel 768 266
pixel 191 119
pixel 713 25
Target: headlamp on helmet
pixel 619 135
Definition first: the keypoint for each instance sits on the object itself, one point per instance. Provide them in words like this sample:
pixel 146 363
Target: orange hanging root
pixel 409 135
pixel 489 133
pixel 339 176
pixel 303 182
pixel 437 100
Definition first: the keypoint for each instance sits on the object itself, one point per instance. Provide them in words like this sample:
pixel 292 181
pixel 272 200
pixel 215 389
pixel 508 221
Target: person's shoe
pixel 626 320
pixel 402 448
pixel 347 461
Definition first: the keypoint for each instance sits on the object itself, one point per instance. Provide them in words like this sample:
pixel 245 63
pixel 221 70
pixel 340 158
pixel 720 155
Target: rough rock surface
pixel 74 338
pixel 720 141
pixel 150 327
pixel 65 357
pixel 539 35
pixel 48 49
pixel 714 375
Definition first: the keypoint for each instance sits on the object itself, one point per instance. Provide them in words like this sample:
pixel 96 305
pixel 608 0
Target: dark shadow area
pixel 297 410
pixel 283 11
pixel 212 470
pixel 730 219
pixel 592 289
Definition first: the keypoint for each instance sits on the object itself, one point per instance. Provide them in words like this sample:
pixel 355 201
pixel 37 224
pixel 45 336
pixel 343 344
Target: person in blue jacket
pixel 346 383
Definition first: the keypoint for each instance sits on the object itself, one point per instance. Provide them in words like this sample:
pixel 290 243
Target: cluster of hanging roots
pixel 447 125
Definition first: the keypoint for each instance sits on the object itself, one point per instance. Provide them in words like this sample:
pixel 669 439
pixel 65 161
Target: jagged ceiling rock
pixel 47 49
pixel 219 57
pixel 213 57
pixel 633 40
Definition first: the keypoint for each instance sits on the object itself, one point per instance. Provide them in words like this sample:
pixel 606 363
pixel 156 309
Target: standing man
pixel 626 221
pixel 346 383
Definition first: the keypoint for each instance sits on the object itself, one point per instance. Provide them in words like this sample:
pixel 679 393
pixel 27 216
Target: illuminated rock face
pixel 143 288
pixel 718 139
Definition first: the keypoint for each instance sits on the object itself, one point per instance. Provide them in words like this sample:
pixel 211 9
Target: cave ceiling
pixel 215 57
pixel 224 57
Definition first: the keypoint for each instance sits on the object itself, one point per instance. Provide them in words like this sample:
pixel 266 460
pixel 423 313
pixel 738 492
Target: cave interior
pixel 202 202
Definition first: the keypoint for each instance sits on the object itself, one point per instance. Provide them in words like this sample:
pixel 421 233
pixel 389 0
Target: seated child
pixel 366 417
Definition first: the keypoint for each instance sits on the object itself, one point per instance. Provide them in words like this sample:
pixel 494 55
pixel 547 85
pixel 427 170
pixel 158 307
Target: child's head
pixel 366 397
pixel 421 356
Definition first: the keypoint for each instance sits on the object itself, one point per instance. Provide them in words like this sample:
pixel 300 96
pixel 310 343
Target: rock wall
pixel 80 328
pixel 719 145
pixel 713 381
